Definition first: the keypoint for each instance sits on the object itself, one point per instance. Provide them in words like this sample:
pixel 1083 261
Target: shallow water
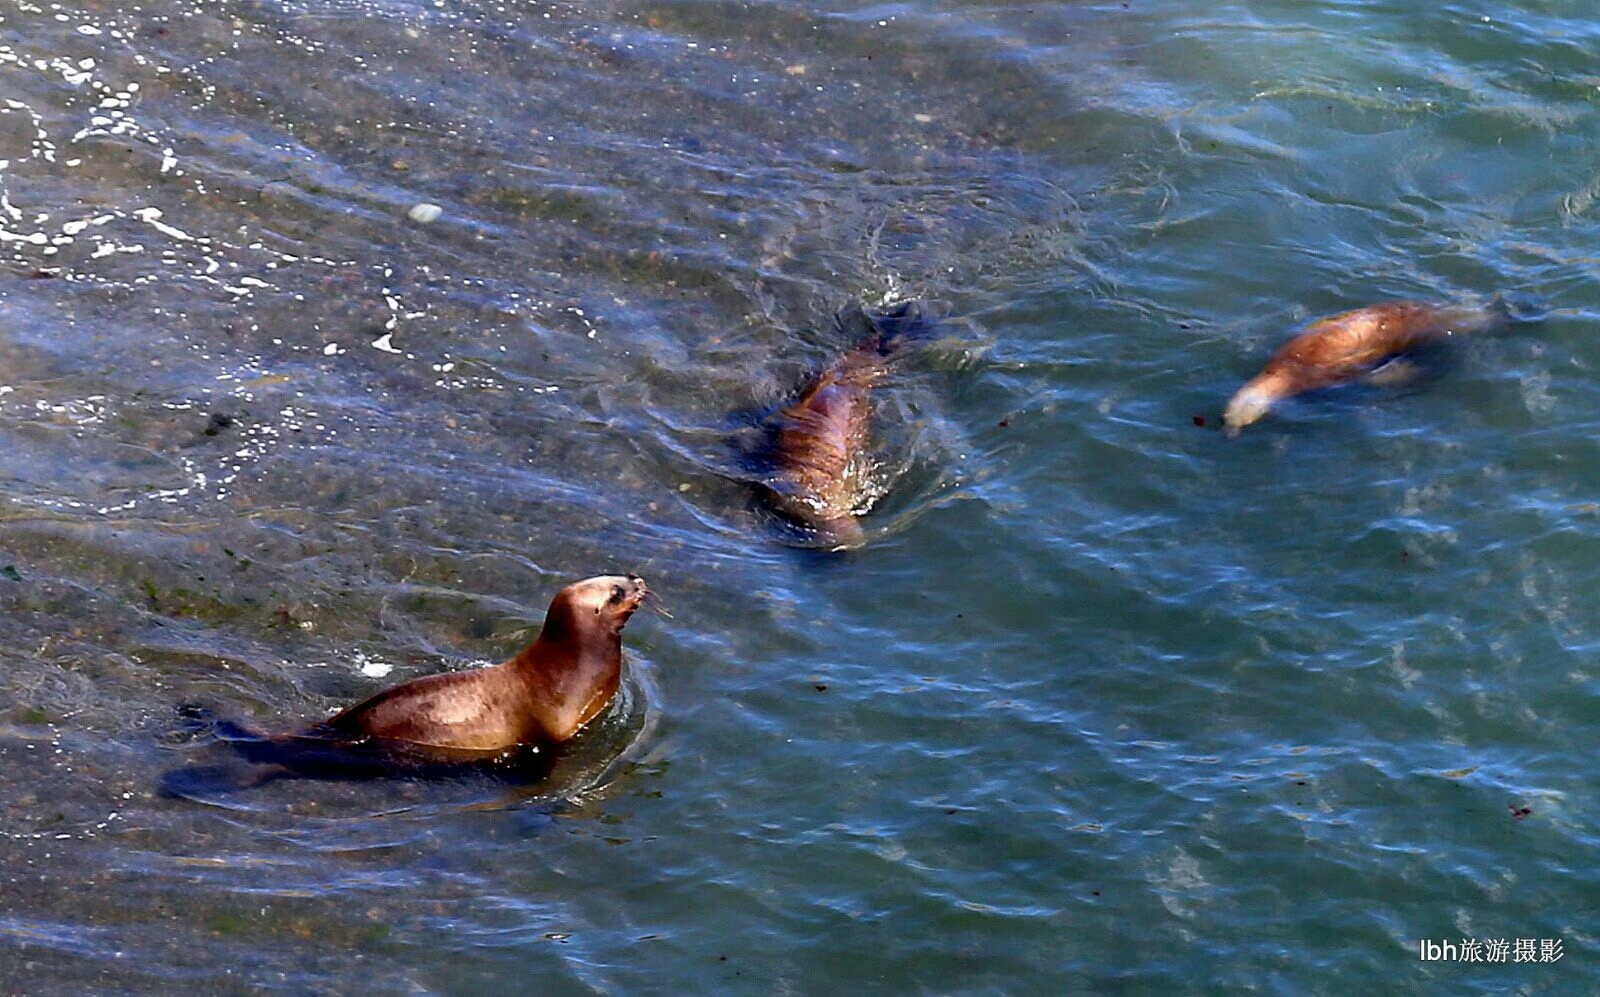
pixel 1107 701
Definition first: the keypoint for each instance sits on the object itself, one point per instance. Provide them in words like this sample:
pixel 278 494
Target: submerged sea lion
pixel 504 715
pixel 1352 344
pixel 821 471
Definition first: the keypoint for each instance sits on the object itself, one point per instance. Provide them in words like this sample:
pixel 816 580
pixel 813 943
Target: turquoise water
pixel 1108 701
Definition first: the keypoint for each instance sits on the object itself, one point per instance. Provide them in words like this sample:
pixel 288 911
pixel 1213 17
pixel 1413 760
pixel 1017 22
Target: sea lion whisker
pixel 653 600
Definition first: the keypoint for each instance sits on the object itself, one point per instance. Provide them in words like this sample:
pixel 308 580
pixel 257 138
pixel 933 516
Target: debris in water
pixel 425 213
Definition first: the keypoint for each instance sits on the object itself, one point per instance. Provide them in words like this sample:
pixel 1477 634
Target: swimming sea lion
pixel 1346 346
pixel 821 472
pixel 504 714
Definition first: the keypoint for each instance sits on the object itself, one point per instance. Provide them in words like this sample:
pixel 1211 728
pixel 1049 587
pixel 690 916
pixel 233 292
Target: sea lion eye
pixel 617 594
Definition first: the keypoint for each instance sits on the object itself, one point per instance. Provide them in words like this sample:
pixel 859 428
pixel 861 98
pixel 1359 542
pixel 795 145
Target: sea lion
pixel 1352 344
pixel 821 473
pixel 504 715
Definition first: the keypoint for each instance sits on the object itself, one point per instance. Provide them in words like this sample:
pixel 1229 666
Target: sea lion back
pixel 450 710
pixel 821 471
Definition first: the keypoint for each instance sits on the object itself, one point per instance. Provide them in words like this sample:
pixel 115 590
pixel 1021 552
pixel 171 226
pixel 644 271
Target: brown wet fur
pixel 1346 346
pixel 820 445
pixel 820 449
pixel 501 714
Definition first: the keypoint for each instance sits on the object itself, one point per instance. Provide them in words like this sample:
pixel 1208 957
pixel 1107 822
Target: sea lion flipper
pixel 1396 373
pixel 201 782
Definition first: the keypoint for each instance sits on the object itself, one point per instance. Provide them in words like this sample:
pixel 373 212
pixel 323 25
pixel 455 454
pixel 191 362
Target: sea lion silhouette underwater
pixel 1366 342
pixel 505 718
pixel 817 464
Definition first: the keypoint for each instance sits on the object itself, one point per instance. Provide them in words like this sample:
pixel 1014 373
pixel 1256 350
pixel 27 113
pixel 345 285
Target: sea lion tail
pixel 885 328
pixel 899 322
pixel 1516 307
pixel 195 720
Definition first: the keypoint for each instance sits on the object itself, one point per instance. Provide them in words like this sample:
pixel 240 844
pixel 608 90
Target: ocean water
pixel 1108 701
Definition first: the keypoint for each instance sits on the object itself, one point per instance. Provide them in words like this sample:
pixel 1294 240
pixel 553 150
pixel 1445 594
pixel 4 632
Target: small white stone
pixel 424 213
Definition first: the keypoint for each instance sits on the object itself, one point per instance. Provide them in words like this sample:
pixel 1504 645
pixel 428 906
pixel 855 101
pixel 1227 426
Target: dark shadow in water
pixel 263 758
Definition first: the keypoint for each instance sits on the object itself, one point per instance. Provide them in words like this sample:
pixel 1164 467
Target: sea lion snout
pixel 612 596
pixel 631 594
pixel 1248 405
pixel 639 591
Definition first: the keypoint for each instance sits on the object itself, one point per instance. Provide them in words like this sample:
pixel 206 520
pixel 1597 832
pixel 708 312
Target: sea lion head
pixel 575 666
pixel 601 604
pixel 1247 405
pixel 1252 401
